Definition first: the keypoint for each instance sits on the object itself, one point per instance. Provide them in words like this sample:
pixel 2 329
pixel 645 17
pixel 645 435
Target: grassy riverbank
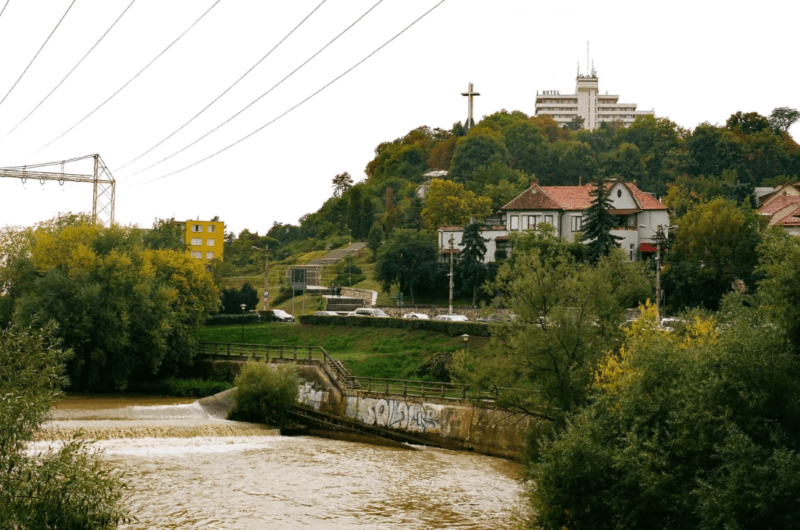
pixel 366 352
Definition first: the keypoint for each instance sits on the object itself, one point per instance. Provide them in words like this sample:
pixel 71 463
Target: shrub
pixel 346 279
pixel 265 394
pixel 452 329
pixel 198 388
pixel 224 320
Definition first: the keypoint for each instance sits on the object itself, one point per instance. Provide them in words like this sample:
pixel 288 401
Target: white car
pixel 280 315
pixel 451 318
pixel 416 316
pixel 368 312
pixel 326 314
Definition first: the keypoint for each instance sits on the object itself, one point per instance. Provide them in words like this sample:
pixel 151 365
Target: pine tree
pixel 412 216
pixel 471 268
pixel 598 224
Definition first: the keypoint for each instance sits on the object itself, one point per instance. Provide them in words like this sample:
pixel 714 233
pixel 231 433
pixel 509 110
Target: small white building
pixel 562 207
pixel 588 103
pixel 782 207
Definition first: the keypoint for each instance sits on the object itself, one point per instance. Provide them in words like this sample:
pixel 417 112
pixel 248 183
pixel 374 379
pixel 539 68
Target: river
pixel 188 468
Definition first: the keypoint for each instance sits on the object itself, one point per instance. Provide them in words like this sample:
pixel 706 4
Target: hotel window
pixel 514 222
pixel 209 242
pixel 197 255
pixel 197 241
pixel 197 228
pixel 549 219
pixel 576 223
pixel 212 228
pixel 209 255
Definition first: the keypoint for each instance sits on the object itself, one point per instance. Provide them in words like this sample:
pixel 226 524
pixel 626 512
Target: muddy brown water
pixel 188 468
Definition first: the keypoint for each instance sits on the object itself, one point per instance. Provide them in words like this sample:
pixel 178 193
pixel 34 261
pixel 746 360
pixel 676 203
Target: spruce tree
pixel 598 223
pixel 471 268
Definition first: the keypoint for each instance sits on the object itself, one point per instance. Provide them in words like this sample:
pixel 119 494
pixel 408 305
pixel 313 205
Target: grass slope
pixel 366 352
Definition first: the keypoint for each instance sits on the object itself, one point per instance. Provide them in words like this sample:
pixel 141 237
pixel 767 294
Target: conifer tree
pixel 598 223
pixel 471 268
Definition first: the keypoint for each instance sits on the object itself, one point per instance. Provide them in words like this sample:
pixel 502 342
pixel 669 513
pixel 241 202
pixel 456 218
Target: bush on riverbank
pixel 265 394
pixel 198 388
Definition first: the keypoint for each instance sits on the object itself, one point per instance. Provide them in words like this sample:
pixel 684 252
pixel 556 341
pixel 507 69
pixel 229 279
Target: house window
pixel 197 241
pixel 212 228
pixel 514 222
pixel 532 222
pixel 631 221
pixel 209 242
pixel 525 223
pixel 197 228
pixel 549 220
pixel 209 255
pixel 630 255
pixel 576 223
pixel 196 254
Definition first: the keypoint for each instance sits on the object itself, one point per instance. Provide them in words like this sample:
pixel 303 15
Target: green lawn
pixel 366 352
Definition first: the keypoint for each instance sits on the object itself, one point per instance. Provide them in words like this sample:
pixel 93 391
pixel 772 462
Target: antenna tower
pixel 588 72
pixel 101 178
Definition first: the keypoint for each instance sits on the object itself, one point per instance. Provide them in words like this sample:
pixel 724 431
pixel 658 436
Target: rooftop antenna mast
pixel 587 59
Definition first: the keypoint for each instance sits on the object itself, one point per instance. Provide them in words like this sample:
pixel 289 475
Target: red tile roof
pixel 534 198
pixel 779 203
pixel 574 198
pixel 645 200
pixel 571 197
pixel 792 218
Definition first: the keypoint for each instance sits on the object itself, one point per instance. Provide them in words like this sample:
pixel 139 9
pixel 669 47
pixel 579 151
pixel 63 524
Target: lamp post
pixel 660 238
pixel 465 338
pixel 266 273
pixel 243 306
pixel 450 305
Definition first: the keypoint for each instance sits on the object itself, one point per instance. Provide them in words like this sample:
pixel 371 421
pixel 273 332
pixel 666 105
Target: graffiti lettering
pixel 395 414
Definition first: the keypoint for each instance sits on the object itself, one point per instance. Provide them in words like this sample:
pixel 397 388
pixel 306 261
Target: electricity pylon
pixel 101 179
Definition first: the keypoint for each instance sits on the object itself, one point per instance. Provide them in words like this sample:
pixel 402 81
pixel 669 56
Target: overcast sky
pixel 689 61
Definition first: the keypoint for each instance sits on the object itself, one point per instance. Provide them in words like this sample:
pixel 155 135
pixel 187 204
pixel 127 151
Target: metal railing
pixel 406 387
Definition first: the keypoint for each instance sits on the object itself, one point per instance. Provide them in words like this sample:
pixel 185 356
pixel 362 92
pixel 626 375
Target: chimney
pixel 580 180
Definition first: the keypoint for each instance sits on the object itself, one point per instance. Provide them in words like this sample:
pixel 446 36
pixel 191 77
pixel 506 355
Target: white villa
pixel 563 207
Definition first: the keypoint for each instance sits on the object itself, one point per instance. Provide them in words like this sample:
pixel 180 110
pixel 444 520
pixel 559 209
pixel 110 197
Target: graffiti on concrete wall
pixel 415 417
pixel 310 396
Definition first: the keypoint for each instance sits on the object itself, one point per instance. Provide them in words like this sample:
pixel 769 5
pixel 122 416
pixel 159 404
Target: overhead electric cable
pixel 4 8
pixel 259 97
pixel 132 78
pixel 176 131
pixel 40 49
pixel 70 72
pixel 240 140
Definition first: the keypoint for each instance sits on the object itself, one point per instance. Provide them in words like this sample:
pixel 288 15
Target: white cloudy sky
pixel 690 61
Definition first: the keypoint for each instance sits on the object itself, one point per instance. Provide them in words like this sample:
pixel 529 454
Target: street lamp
pixel 243 306
pixel 266 273
pixel 465 338
pixel 660 237
pixel 350 255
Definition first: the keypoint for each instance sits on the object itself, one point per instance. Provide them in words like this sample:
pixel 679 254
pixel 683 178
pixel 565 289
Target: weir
pixel 439 414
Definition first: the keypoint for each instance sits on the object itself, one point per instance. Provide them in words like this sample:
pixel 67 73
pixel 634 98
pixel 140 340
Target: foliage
pixel 598 223
pixel 374 239
pixel 779 288
pixel 568 314
pixel 471 270
pixel 715 246
pixel 166 234
pixel 407 259
pixel 447 203
pixel 698 431
pixel 65 487
pixel 782 118
pixel 198 388
pixel 341 183
pixel 452 329
pixel 360 212
pixel 225 319
pixel 124 310
pixel 232 299
pixel 477 149
pixel 265 393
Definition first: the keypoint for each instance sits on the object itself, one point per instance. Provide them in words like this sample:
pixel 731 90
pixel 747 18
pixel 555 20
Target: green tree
pixel 598 224
pixel 527 147
pixel 693 431
pixel 747 123
pixel 265 394
pixel 233 298
pixel 782 118
pixel 166 234
pixel 407 259
pixel 779 286
pixel 66 487
pixel 477 149
pixel 341 183
pixel 575 124
pixel 715 248
pixel 375 239
pixel 447 203
pixel 471 269
pixel 412 216
pixel 360 212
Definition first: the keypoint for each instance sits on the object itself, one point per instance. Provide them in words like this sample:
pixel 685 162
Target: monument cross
pixel 470 93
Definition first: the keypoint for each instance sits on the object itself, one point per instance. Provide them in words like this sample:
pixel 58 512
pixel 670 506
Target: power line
pixel 40 49
pixel 226 90
pixel 303 101
pixel 131 79
pixel 4 8
pixel 261 96
pixel 70 72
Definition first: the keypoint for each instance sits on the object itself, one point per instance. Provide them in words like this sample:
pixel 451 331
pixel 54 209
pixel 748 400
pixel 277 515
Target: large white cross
pixel 470 93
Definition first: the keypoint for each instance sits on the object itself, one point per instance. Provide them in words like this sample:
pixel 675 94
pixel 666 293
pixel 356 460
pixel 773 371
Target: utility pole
pixel 659 240
pixel 450 306
pixel 266 272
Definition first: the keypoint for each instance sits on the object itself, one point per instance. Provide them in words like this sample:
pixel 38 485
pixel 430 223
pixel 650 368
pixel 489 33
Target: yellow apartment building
pixel 203 239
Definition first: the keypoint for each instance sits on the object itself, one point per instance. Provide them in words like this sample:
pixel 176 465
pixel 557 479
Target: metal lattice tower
pixel 101 178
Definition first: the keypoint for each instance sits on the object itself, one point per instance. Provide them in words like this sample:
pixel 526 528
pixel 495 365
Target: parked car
pixel 368 312
pixel 416 316
pixel 497 318
pixel 451 318
pixel 278 315
pixel 669 324
pixel 326 314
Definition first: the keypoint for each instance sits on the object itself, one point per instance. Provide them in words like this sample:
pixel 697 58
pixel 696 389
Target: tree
pixel 375 239
pixel 476 150
pixel 697 430
pixel 779 286
pixel 412 216
pixel 407 259
pixel 341 183
pixel 747 123
pixel 448 203
pixel 782 118
pixel 67 487
pixel 575 124
pixel 166 234
pixel 264 394
pixel 527 147
pixel 715 246
pixel 360 212
pixel 598 224
pixel 124 310
pixel 233 298
pixel 471 269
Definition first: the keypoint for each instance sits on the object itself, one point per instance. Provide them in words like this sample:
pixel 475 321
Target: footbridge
pixel 448 415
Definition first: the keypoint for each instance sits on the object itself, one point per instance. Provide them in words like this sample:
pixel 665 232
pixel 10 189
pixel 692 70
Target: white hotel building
pixel 588 103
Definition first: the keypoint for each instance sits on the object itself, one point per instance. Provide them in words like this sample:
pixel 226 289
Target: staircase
pixel 342 303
